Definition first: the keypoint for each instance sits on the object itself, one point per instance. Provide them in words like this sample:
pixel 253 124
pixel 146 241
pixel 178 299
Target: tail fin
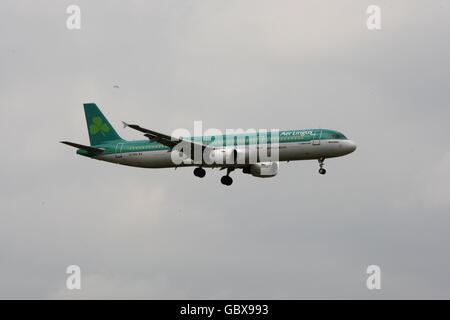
pixel 99 128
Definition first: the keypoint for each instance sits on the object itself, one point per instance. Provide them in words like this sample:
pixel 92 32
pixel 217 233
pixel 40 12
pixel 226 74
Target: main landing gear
pixel 322 170
pixel 199 172
pixel 227 180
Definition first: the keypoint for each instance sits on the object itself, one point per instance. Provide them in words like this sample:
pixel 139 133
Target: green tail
pixel 99 128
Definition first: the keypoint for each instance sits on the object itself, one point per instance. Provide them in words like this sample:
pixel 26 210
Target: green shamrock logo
pixel 98 126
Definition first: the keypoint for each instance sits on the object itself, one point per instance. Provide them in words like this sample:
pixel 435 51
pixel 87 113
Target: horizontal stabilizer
pixel 89 149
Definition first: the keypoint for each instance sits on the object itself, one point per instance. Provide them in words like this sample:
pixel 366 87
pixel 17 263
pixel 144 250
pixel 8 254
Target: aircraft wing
pixel 166 140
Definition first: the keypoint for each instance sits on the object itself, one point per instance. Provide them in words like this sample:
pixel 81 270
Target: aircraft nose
pixel 350 146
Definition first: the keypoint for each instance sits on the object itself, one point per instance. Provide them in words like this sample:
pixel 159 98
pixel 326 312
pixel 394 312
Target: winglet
pixel 125 124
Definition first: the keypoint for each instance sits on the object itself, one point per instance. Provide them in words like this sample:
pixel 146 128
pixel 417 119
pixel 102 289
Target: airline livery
pixel 256 153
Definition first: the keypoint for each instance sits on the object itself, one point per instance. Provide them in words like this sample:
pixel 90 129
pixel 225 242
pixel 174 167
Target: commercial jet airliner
pixel 228 152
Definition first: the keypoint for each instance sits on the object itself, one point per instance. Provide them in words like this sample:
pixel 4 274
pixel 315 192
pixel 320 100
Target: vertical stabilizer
pixel 99 129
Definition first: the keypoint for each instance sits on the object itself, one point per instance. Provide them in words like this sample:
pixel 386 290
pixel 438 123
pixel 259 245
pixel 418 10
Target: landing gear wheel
pixel 199 172
pixel 226 180
pixel 321 170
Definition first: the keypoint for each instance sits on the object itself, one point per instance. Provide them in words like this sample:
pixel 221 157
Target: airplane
pixel 158 149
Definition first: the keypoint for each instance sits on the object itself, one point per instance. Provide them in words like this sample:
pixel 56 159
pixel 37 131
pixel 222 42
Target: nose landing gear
pixel 322 170
pixel 227 180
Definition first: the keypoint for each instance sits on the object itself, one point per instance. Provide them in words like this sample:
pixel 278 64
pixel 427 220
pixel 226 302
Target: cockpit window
pixel 340 136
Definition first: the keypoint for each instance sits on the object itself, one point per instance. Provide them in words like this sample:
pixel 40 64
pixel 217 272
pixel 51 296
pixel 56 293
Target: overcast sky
pixel 142 233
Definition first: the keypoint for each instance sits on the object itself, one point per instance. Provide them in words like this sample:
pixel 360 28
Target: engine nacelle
pixel 262 169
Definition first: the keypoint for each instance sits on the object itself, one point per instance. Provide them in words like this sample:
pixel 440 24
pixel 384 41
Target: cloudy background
pixel 140 233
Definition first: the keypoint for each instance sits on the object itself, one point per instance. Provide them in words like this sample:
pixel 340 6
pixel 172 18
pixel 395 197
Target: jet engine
pixel 262 169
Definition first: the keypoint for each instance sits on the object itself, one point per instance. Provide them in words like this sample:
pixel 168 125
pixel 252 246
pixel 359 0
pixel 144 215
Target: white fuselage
pixel 288 151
